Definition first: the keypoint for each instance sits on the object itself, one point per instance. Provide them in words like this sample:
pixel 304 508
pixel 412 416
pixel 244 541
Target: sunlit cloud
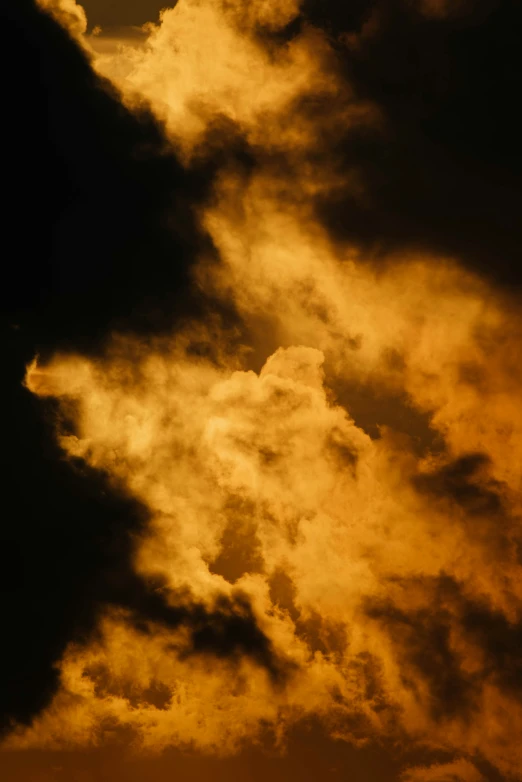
pixel 306 563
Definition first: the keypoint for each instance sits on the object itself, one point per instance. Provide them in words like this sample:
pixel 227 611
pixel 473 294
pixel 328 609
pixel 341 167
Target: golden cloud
pixel 377 569
pixel 68 13
pixel 458 771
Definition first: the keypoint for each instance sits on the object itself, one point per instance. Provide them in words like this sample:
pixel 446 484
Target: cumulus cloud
pixel 68 13
pixel 297 555
pixel 78 168
pixel 369 537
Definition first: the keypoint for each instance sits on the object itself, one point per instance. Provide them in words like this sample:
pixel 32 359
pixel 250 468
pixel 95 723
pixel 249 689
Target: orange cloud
pixel 458 771
pixel 68 13
pixel 382 574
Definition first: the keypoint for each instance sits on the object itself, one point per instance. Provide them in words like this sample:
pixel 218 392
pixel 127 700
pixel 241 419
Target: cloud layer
pixel 300 375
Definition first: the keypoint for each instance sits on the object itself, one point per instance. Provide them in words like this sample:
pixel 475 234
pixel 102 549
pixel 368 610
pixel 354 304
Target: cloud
pixel 393 588
pixel 298 223
pixel 427 153
pixel 110 191
pixel 68 13
pixel 441 173
pixel 78 170
pixel 458 771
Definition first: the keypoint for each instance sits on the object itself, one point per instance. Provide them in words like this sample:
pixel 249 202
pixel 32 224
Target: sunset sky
pixel 262 434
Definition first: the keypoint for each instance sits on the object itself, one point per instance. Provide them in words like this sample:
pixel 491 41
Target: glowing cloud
pixel 306 564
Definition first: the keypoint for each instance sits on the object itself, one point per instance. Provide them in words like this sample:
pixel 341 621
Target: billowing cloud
pixel 68 13
pixel 78 169
pixel 317 425
pixel 373 572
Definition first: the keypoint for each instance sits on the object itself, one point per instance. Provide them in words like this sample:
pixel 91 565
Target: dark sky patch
pixel 444 172
pixel 120 13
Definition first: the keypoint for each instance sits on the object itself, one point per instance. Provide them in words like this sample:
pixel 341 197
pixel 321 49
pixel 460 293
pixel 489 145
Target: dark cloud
pixel 500 641
pixel 101 229
pixel 467 495
pixel 434 622
pixel 98 232
pixel 462 482
pixel 422 640
pixel 65 549
pixel 227 630
pixel 424 637
pixel 443 171
pixel 465 483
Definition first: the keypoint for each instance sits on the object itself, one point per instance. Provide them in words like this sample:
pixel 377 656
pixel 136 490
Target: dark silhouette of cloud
pixel 442 172
pixel 447 177
pixel 98 232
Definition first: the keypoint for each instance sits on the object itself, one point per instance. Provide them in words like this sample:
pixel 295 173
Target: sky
pixel 261 323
